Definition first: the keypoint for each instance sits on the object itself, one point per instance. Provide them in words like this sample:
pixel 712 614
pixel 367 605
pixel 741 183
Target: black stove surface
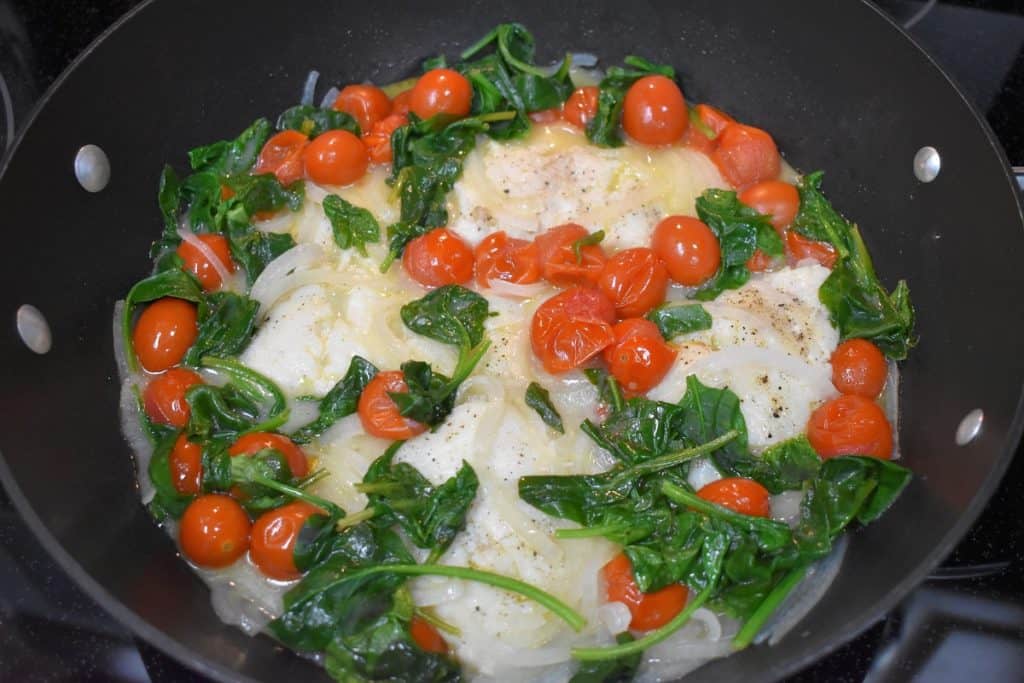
pixel 965 623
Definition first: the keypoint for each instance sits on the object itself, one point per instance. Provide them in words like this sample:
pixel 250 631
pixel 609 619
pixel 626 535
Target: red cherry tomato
pixel 164 397
pixel 688 248
pixel 649 610
pixel 378 140
pixel 581 107
pixel 714 119
pixel 744 496
pixel 800 248
pixel 427 637
pixel 165 331
pixel 500 257
pixel 273 537
pixel 199 265
pixel 702 138
pixel 441 91
pixel 214 531
pixel 255 442
pixel 859 367
pixel 336 157
pixel 379 414
pixel 654 111
pixel 572 327
pixel 559 264
pixel 638 358
pixel 850 425
pixel 186 463
pixel 635 281
pixel 746 155
pixel 367 104
pixel 773 198
pixel 759 261
pixel 282 156
pixel 438 258
pixel 400 104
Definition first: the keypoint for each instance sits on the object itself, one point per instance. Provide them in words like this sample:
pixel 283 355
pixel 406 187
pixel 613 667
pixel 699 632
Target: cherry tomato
pixel 559 264
pixel 378 140
pixel 654 111
pixel 688 248
pixel 581 107
pixel 441 91
pixel 859 367
pixel 500 257
pixel 702 138
pixel 186 463
pixel 759 261
pixel 744 496
pixel 638 358
pixel 214 531
pixel 164 397
pixel 367 104
pixel 199 265
pixel 380 415
pixel 427 637
pixel 255 442
pixel 850 425
pixel 572 327
pixel 273 538
pixel 800 248
pixel 649 610
pixel 282 156
pixel 773 198
pixel 400 104
pixel 438 258
pixel 715 119
pixel 635 281
pixel 165 331
pixel 746 155
pixel 336 157
pixel 546 115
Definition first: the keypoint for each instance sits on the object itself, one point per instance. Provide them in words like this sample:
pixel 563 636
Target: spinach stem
pixel 672 459
pixel 298 494
pixel 356 518
pixel 596 654
pixel 550 602
pixel 590 531
pixel 437 622
pixel 681 496
pixel 768 606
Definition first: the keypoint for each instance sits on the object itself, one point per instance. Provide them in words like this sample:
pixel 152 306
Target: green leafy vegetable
pixel 231 157
pixel 226 322
pixel 538 398
pixel 676 319
pixel 620 670
pixel 608 389
pixel 173 282
pixel 739 230
pixel 353 226
pixel 856 300
pixel 253 250
pixel 167 502
pixel 589 240
pixel 603 129
pixel 342 400
pixel 312 121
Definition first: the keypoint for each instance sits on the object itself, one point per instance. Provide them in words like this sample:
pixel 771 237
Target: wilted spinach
pixel 603 129
pixel 312 121
pixel 226 322
pixel 342 400
pixel 676 319
pixel 538 398
pixel 353 226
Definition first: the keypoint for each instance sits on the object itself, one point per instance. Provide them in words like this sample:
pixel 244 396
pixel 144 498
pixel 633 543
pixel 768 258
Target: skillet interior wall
pixel 836 86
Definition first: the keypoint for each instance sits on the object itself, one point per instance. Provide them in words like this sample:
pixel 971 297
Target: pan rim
pixel 171 646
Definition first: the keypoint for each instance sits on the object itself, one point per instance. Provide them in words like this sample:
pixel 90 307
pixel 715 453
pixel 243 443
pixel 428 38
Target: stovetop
pixel 965 623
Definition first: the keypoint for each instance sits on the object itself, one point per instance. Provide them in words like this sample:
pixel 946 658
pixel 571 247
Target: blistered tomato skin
pixel 559 263
pixel 799 248
pixel 438 258
pixel 648 610
pixel 336 157
pixel 859 367
pixel 635 280
pixel 500 257
pixel 378 413
pixel 282 156
pixel 572 327
pixel 746 155
pixel 367 104
pixel 164 332
pixel 273 539
pixel 773 198
pixel 850 425
pixel 255 442
pixel 164 397
pixel 654 111
pixel 214 531
pixel 744 496
pixel 639 358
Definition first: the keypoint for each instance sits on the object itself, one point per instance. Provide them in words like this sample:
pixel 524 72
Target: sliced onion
pixel 279 277
pixel 818 379
pixel 329 97
pixel 516 291
pixel 702 473
pixel 805 596
pixel 280 222
pixel 615 616
pixel 228 280
pixel 891 404
pixel 785 506
pixel 310 87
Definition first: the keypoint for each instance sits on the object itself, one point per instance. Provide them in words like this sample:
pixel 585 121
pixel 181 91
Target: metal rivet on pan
pixel 969 427
pixel 927 164
pixel 33 329
pixel 92 168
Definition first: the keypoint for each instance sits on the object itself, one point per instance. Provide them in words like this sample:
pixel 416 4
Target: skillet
pixel 836 83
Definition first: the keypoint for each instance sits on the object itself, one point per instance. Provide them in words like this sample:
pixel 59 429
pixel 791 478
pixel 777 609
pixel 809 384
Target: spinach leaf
pixel 709 412
pixel 167 502
pixel 740 230
pixel 431 395
pixel 226 322
pixel 312 121
pixel 603 129
pixel 620 670
pixel 451 315
pixel 232 157
pixel 262 193
pixel 353 226
pixel 342 400
pixel 168 198
pixel 642 429
pixel 253 250
pixel 787 465
pixel 538 398
pixel 676 319
pixel 219 413
pixel 608 390
pixel 857 302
